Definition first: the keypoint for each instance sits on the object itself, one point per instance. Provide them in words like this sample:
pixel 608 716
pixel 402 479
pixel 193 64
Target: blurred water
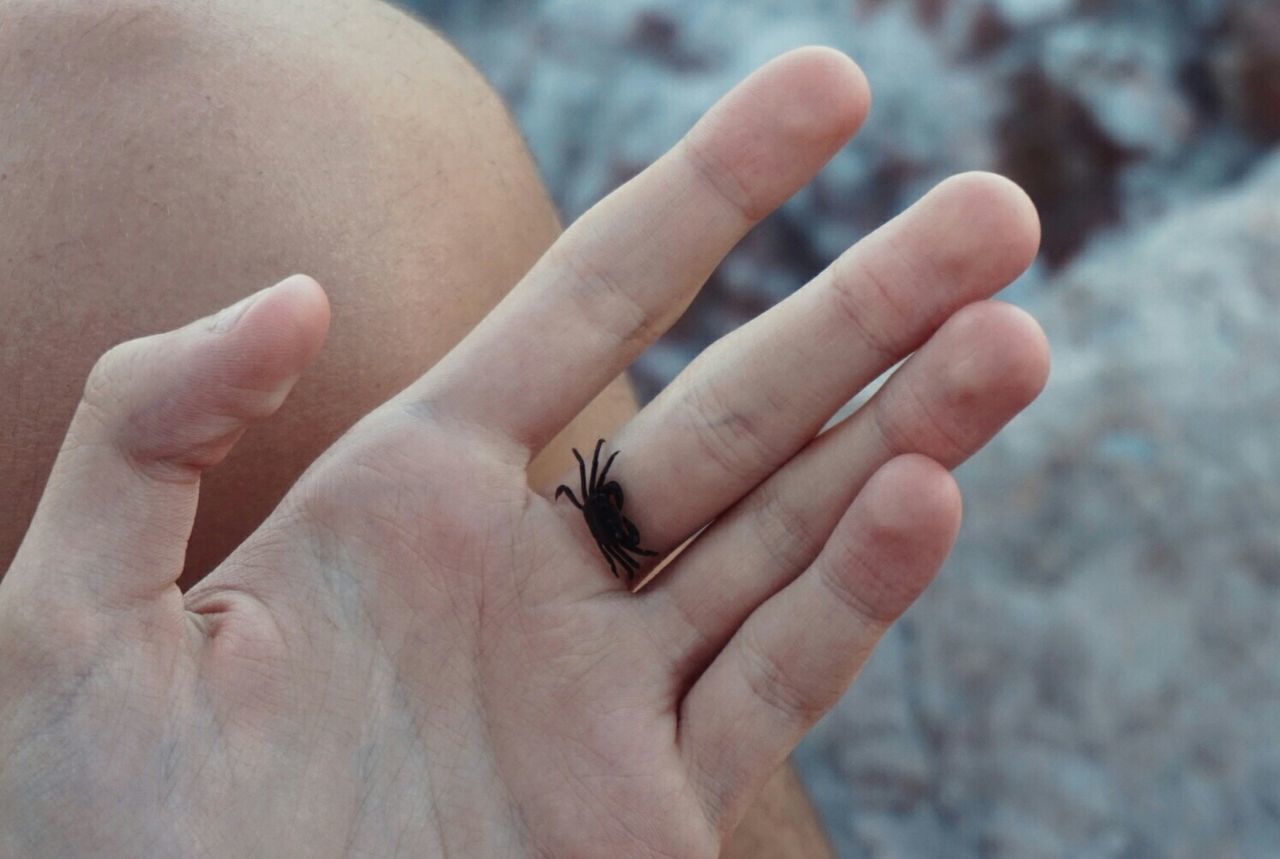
pixel 1097 672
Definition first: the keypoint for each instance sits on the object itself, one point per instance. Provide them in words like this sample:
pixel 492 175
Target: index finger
pixel 625 270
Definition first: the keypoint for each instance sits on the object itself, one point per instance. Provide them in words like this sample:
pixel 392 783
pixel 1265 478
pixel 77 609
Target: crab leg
pixel 595 463
pixel 582 474
pixel 564 490
pixel 628 563
pixel 605 472
pixel 604 550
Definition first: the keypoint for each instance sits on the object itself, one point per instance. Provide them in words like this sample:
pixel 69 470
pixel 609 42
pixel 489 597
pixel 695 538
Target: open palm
pixel 418 654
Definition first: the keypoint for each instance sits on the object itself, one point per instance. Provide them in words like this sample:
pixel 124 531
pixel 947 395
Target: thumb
pixel 117 511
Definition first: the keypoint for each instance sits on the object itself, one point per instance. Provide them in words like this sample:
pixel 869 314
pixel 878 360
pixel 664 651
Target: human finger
pixel 623 272
pixel 797 653
pixel 982 367
pixel 753 399
pixel 113 523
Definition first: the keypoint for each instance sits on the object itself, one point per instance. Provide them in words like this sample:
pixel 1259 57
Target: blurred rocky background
pixel 1097 672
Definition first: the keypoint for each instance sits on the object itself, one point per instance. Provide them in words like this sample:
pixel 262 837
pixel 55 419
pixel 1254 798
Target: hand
pixel 417 654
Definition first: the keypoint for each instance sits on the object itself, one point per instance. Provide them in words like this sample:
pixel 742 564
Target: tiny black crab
pixel 601 506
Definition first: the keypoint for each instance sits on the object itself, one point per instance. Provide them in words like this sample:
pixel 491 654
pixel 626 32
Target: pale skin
pixel 417 653
pixel 395 176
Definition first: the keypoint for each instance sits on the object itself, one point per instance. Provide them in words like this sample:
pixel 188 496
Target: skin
pixel 384 614
pixel 200 188
pixel 122 238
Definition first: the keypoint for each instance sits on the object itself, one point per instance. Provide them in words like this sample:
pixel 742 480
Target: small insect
pixel 601 506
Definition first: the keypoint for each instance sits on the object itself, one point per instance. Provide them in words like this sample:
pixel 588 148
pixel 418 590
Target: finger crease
pixel 729 438
pixel 722 181
pixel 853 309
pixel 607 305
pixel 770 683
pixel 785 534
pixel 836 579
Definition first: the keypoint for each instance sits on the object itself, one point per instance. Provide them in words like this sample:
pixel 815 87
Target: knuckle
pixel 907 423
pixel 870 595
pixel 107 413
pixel 786 534
pixel 860 298
pixel 775 687
pixel 733 439
pixel 603 301
pixel 108 380
pixel 133 404
pixel 723 181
